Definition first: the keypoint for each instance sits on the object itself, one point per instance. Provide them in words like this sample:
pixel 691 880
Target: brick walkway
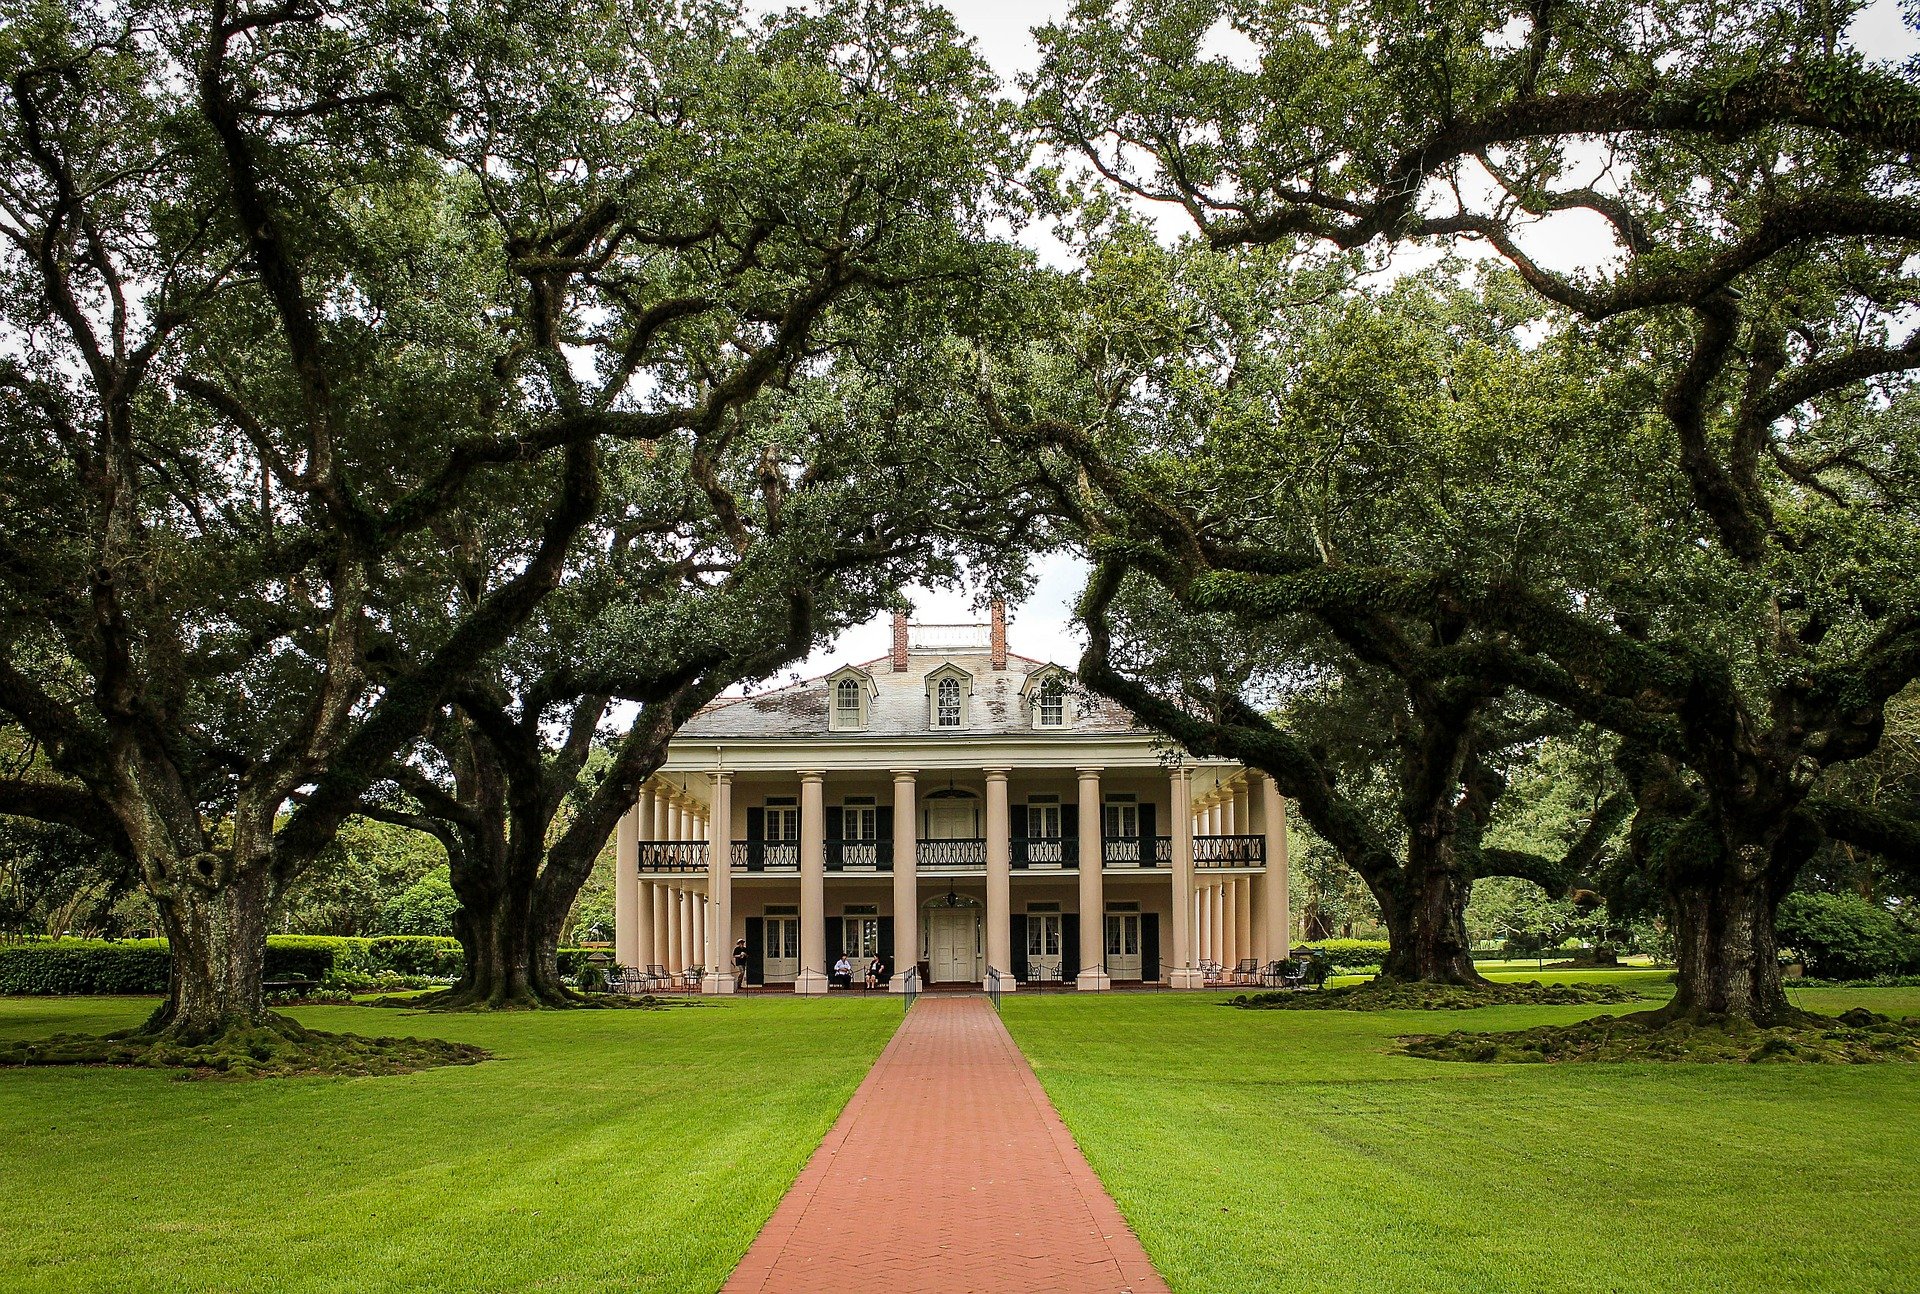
pixel 949 1171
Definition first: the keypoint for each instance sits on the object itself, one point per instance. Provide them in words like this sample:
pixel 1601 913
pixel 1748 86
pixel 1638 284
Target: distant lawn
pixel 1286 1151
pixel 601 1150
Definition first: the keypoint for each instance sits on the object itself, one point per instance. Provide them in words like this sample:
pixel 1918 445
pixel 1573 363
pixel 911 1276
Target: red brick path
pixel 948 1171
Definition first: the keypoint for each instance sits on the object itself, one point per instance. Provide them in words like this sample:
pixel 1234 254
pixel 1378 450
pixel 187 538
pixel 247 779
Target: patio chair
pixel 656 978
pixel 1293 973
pixel 1044 971
pixel 1247 971
pixel 690 978
pixel 1211 974
pixel 628 983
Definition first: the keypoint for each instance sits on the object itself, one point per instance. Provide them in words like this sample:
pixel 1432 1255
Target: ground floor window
pixel 860 936
pixel 1043 934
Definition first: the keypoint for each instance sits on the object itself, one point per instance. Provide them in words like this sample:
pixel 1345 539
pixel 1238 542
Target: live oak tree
pixel 1277 421
pixel 1741 183
pixel 292 293
pixel 712 567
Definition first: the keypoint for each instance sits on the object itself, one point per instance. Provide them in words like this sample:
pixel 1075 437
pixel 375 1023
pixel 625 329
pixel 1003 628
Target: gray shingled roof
pixel 899 705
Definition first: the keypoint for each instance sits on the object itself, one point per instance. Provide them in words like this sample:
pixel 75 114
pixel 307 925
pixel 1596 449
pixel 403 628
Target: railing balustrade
pixel 859 855
pixel 766 855
pixel 952 853
pixel 1045 851
pixel 1229 851
pixel 673 855
pixel 1137 851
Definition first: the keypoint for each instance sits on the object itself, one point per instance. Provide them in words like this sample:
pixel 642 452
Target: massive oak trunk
pixel 1727 958
pixel 1427 928
pixel 217 941
pixel 511 949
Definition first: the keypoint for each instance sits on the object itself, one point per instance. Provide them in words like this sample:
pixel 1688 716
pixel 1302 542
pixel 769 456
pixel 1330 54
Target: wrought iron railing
pixel 859 855
pixel 910 988
pixel 1045 851
pixel 766 855
pixel 951 853
pixel 993 986
pixel 673 855
pixel 1137 851
pixel 1229 851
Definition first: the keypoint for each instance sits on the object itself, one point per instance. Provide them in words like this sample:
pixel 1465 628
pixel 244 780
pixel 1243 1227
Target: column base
pixel 1187 977
pixel 1008 984
pixel 811 984
pixel 713 982
pixel 1093 981
pixel 898 984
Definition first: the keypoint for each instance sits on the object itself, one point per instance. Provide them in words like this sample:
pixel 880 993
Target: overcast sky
pixel 1040 626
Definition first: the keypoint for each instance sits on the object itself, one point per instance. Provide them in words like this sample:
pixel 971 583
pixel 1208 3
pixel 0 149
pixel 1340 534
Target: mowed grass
pixel 600 1150
pixel 1288 1151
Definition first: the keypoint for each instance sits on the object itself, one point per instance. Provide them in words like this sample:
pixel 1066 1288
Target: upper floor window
pixel 849 691
pixel 846 703
pixel 949 703
pixel 1053 704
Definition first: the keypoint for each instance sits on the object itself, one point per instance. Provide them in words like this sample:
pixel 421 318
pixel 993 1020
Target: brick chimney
pixel 899 653
pixel 999 640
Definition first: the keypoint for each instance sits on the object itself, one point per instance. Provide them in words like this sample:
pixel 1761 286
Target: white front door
pixel 952 943
pixel 1123 945
pixel 950 820
pixel 782 961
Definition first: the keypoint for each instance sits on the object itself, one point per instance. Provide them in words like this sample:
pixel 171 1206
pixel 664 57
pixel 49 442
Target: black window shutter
pixel 756 823
pixel 1070 821
pixel 883 822
pixel 836 941
pixel 886 942
pixel 1070 945
pixel 1148 830
pixel 1150 946
pixel 834 823
pixel 1017 923
pixel 756 950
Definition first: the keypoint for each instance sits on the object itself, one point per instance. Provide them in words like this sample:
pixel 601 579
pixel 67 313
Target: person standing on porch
pixel 739 963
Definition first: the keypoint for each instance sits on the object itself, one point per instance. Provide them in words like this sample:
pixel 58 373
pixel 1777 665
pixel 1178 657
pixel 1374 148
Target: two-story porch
pixel 963 811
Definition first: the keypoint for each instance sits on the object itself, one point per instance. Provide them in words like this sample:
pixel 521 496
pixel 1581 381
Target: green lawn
pixel 1287 1151
pixel 601 1150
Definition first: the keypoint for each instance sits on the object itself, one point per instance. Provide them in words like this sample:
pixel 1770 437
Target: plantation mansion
pixel 952 806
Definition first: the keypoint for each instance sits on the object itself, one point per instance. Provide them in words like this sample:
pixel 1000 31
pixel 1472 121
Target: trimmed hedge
pixel 139 966
pixel 1345 954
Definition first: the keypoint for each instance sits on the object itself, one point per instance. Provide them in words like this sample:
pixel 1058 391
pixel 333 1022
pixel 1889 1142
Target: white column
pixel 720 887
pixel 648 951
pixel 702 951
pixel 906 878
pixel 999 880
pixel 676 932
pixel 1229 922
pixel 1273 919
pixel 1091 974
pixel 812 979
pixel 662 925
pixel 1209 949
pixel 673 817
pixel 626 888
pixel 1243 918
pixel 660 814
pixel 1242 815
pixel 1182 972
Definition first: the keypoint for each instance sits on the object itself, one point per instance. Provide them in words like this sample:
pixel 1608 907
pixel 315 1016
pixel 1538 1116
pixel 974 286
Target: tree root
pixel 275 1048
pixel 1857 1037
pixel 1400 995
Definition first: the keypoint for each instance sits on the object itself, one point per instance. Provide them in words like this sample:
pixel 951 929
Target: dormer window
pixel 1053 703
pixel 949 690
pixel 849 695
pixel 1045 692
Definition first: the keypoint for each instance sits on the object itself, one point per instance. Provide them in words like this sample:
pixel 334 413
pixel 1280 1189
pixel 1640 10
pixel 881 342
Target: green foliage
pixel 1393 995
pixel 75 966
pixel 352 884
pixel 1846 937
pixel 1856 1037
pixel 1346 955
pixel 426 907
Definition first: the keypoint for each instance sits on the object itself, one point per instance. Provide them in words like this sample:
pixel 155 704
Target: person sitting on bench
pixel 842 976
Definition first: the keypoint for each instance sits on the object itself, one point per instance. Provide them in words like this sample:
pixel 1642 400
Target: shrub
pixel 418 955
pixel 1843 936
pixel 1347 955
pixel 424 908
pixel 72 966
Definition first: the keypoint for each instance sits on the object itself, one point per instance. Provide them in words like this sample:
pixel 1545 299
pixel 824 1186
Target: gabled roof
pixel 898 707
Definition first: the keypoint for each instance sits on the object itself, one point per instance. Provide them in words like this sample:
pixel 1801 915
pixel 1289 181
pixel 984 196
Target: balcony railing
pixel 1138 851
pixel 1045 852
pixel 859 855
pixel 673 855
pixel 766 855
pixel 1229 851
pixel 951 854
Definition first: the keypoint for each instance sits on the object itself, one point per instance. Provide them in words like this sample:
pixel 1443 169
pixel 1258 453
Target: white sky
pixel 1039 626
